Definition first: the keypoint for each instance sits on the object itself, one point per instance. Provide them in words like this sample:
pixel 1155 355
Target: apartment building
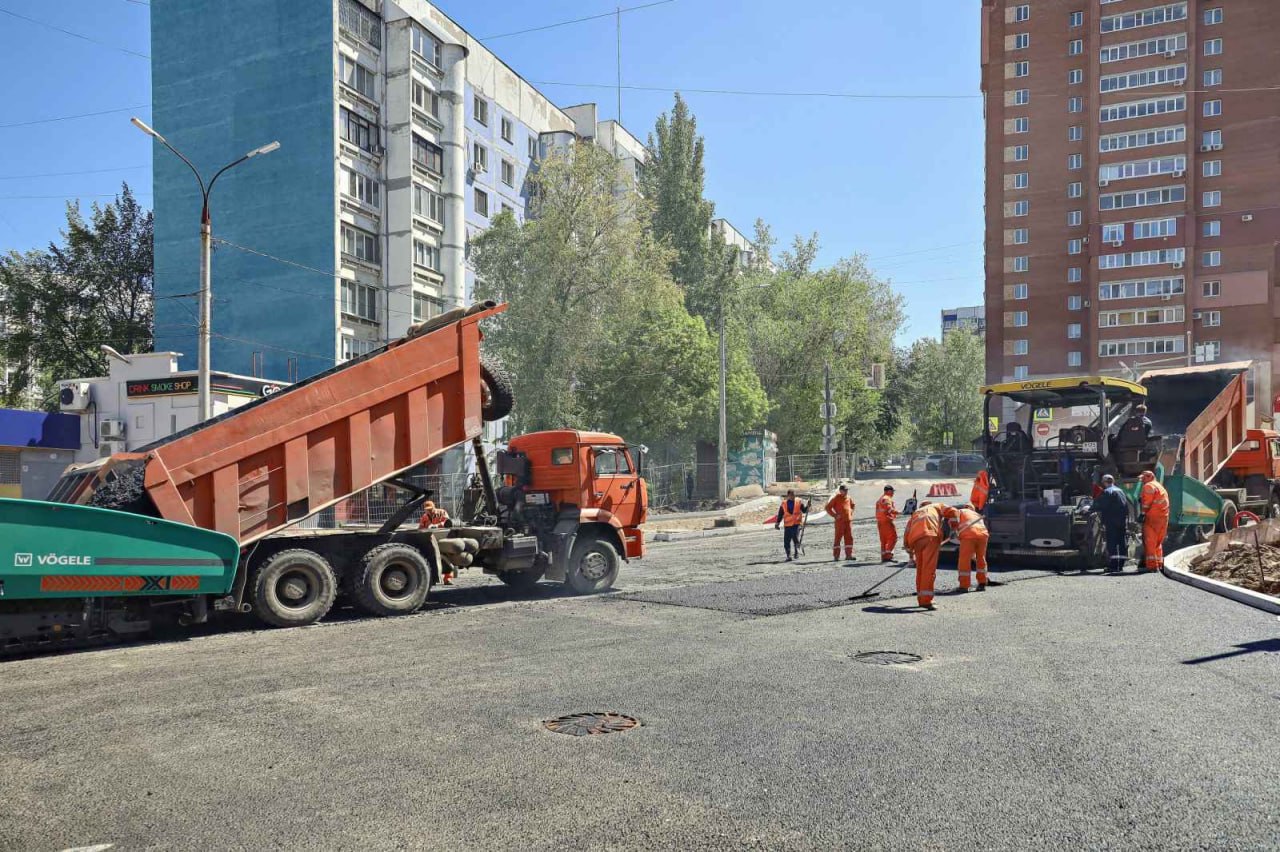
pixel 1133 184
pixel 972 319
pixel 401 136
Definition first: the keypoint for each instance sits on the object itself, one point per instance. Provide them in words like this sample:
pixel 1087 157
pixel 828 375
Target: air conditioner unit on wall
pixel 1195 315
pixel 112 430
pixel 1205 148
pixel 75 396
pixel 1169 54
pixel 1215 147
pixel 1179 173
pixel 1248 217
pixel 1103 182
pixel 1179 82
pixel 1178 265
pixel 1117 243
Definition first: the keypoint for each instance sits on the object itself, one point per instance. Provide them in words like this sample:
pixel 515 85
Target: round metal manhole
pixel 585 724
pixel 887 658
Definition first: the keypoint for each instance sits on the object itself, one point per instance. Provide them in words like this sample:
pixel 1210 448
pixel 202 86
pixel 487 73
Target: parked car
pixel 927 463
pixel 960 463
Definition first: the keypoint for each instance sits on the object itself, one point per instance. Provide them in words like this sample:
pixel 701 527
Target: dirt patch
pixel 1239 565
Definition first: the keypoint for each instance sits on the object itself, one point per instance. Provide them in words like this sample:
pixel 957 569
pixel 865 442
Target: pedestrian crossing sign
pixel 993 424
pixel 1044 415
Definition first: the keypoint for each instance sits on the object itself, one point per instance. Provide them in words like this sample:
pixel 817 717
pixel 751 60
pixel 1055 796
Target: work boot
pixel 982 587
pixel 788 557
pixel 448 579
pixel 835 557
pixel 929 607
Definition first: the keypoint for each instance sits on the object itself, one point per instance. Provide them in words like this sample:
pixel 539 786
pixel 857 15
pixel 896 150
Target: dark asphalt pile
pixel 124 490
pixel 1244 565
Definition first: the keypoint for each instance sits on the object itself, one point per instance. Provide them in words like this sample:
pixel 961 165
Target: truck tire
pixel 391 579
pixel 293 588
pixel 593 567
pixel 499 397
pixel 1228 521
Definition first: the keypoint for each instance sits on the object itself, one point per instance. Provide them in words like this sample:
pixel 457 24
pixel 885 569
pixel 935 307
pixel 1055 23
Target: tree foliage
pixel 940 380
pixel 60 304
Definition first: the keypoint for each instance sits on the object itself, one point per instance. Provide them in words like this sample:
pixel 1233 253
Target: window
pixel 1075 189
pixel 1141 316
pixel 1213 47
pixel 356 130
pixel 611 461
pixel 1019 319
pixel 353 347
pixel 1022 13
pixel 1142 346
pixel 359 244
pixel 1211 228
pixel 1075 47
pixel 482 202
pixel 1021 41
pixel 1021 180
pixel 1020 291
pixel 426 255
pixel 1075 133
pixel 1075 104
pixel 1211 140
pixel 533 147
pixel 1211 258
pixel 508 171
pixel 1075 218
pixel 1212 16
pixel 1075 246
pixel 1073 359
pixel 1141 79
pixel 1075 303
pixel 1021 264
pixel 360 187
pixel 1142 198
pixel 426 100
pixel 1142 138
pixel 1021 236
pixel 1211 168
pixel 424 44
pixel 1212 199
pixel 1022 69
pixel 1021 125
pixel 1212 318
pixel 359 300
pixel 1075 161
pixel 1138 109
pixel 1210 350
pixel 1143 168
pixel 1213 77
pixel 1152 228
pixel 356 76
pixel 1021 153
pixel 1022 97
pixel 479 157
pixel 1212 108
pixel 1145 18
pixel 1113 233
pixel 1073 331
pixel 1074 77
pixel 480 109
pixel 1076 19
pixel 1141 288
pixel 1142 258
pixel 425 307
pixel 1020 347
pixel 428 155
pixel 1162 46
pixel 1020 371
pixel 1211 289
pixel 562 456
pixel 1021 208
pixel 357 21
pixel 1074 275
pixel 428 204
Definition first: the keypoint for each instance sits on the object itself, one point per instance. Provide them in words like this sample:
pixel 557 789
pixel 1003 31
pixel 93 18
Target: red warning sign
pixel 1043 430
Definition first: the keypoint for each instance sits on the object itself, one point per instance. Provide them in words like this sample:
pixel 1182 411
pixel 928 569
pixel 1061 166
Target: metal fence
pixel 379 503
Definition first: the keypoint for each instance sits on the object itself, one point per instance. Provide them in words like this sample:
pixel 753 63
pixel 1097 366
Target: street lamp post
pixel 203 382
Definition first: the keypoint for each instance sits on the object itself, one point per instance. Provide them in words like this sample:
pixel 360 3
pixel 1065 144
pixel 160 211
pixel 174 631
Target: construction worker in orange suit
pixel 791 516
pixel 924 537
pixel 981 490
pixel 1154 502
pixel 886 513
pixel 972 532
pixel 840 507
pixel 434 517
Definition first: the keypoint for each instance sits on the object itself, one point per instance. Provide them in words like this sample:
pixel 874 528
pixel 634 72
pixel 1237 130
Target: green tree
pixel 60 304
pixel 942 381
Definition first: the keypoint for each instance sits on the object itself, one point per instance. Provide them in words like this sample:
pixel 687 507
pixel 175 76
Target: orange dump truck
pixel 565 506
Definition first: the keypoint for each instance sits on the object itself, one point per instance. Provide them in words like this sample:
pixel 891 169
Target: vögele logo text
pixel 22 560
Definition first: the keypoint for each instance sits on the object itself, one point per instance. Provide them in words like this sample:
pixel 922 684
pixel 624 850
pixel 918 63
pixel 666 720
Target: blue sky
pixel 897 179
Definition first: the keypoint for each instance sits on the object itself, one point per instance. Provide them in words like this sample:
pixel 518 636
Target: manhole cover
pixel 582 724
pixel 887 658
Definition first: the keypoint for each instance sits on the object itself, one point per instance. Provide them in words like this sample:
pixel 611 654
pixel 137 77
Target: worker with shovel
pixel 972 531
pixel 1154 502
pixel 924 538
pixel 840 507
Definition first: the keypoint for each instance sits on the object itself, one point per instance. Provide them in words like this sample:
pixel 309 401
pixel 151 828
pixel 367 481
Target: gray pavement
pixel 1053 712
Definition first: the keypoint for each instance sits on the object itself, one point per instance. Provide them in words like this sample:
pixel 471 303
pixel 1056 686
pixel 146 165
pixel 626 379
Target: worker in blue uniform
pixel 1112 507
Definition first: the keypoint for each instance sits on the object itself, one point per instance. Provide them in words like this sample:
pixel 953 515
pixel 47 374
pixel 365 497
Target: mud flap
pixel 562 539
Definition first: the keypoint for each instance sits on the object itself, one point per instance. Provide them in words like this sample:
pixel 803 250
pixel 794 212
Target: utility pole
pixel 828 414
pixel 723 452
pixel 618 18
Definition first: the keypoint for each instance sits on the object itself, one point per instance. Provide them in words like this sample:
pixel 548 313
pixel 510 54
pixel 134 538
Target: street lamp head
pixel 265 149
pixel 142 125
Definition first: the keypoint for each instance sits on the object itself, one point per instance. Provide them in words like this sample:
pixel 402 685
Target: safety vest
pixel 793 516
pixel 926 522
pixel 967 523
pixel 1155 499
pixel 840 507
pixel 981 490
pixel 885 510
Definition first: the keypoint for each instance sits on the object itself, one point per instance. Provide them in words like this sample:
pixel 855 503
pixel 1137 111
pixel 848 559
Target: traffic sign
pixel 1044 415
pixel 948 439
pixel 829 430
pixel 1043 430
pixel 828 445
pixel 828 411
pixel 993 424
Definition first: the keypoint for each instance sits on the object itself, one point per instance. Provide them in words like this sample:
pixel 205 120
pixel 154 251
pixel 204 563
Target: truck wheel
pixel 293 588
pixel 593 567
pixel 392 579
pixel 499 397
pixel 1228 521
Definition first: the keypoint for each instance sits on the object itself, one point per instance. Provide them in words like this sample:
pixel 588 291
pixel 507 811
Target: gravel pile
pixel 123 490
pixel 1239 565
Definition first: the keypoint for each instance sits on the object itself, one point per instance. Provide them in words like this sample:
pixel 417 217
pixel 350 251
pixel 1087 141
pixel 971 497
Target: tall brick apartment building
pixel 1133 184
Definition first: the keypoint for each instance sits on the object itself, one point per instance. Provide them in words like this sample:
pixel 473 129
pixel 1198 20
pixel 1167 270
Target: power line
pixel 576 21
pixel 77 115
pixel 73 35
pixel 63 174
pixel 68 196
pixel 768 94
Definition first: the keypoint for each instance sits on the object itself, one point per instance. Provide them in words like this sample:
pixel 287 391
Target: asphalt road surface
pixel 1051 712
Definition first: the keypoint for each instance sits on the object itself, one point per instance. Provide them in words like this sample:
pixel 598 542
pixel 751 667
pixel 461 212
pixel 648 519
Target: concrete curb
pixel 1177 563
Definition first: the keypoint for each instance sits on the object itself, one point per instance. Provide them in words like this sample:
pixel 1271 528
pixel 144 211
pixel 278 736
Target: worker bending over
pixel 434 517
pixel 924 538
pixel 981 490
pixel 886 513
pixel 791 516
pixel 840 507
pixel 972 532
pixel 1154 502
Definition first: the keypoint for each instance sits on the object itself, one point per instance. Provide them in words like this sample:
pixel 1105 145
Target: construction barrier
pixel 943 489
